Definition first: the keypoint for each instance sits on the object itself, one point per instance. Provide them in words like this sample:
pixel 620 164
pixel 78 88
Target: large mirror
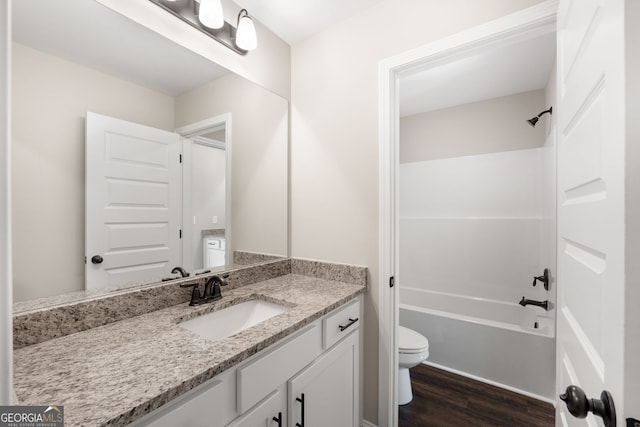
pixel 73 57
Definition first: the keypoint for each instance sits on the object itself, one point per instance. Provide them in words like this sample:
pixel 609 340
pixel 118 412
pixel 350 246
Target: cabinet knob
pixel 97 259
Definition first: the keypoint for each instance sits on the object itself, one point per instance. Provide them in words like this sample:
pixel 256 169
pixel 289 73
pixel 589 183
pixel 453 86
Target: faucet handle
pixel 195 294
pixel 544 279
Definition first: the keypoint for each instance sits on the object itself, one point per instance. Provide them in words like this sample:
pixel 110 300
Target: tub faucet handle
pixel 544 279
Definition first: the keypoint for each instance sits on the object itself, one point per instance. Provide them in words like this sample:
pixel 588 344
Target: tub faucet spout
pixel 544 304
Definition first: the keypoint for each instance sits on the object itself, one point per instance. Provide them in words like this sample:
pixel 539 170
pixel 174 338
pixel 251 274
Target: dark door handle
pixel 301 400
pixel 579 405
pixel 97 259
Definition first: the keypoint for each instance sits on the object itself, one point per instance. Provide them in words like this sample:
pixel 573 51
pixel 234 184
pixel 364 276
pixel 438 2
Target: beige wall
pixel 50 99
pixel 269 65
pixel 489 126
pixel 259 157
pixel 334 132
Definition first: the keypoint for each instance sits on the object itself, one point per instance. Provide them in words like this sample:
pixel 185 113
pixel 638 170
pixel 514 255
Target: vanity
pixel 299 367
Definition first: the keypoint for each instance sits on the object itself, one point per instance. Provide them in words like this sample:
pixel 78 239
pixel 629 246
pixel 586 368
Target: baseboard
pixel 366 423
pixel 490 382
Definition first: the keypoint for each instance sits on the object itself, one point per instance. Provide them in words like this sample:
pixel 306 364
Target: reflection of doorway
pixel 208 212
pixel 133 197
pixel 207 187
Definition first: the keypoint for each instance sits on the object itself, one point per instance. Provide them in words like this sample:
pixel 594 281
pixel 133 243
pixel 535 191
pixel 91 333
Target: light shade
pixel 210 14
pixel 246 34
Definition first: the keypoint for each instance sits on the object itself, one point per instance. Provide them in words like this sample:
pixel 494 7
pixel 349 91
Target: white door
pixel 133 202
pixel 591 203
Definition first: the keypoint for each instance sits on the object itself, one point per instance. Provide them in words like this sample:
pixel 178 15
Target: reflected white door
pixel 591 203
pixel 133 202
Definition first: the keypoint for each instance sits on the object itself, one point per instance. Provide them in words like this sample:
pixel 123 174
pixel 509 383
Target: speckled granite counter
pixel 114 374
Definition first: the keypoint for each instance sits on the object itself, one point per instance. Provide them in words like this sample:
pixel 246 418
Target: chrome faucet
pixel 544 304
pixel 180 270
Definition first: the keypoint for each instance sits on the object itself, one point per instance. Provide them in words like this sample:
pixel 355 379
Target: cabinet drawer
pixel 263 375
pixel 340 323
pixel 213 400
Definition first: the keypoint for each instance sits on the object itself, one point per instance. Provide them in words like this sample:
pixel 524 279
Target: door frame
pixel 192 131
pixel 6 278
pixel 533 21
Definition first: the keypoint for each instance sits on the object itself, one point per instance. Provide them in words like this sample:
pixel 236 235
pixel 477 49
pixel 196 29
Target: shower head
pixel 535 119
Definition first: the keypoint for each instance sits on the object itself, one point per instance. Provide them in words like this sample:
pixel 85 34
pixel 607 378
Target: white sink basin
pixel 223 323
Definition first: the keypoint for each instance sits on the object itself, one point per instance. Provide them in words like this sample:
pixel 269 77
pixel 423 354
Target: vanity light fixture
pixel 207 16
pixel 246 34
pixel 210 14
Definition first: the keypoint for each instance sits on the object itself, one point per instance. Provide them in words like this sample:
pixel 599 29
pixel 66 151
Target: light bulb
pixel 210 14
pixel 246 34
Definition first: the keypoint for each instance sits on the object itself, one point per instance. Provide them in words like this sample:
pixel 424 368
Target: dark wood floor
pixel 442 399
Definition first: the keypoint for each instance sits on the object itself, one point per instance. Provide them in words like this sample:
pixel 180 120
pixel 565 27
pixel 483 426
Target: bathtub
pixel 492 341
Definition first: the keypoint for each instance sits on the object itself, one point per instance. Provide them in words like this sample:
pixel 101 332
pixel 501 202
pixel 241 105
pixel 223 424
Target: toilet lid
pixel 409 341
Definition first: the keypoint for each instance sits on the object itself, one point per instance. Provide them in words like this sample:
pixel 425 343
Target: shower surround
pixel 474 231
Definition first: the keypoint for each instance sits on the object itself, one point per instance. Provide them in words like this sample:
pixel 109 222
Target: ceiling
pixel 296 20
pixel 82 31
pixel 499 71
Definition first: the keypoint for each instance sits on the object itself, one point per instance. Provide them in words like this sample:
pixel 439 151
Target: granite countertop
pixel 114 374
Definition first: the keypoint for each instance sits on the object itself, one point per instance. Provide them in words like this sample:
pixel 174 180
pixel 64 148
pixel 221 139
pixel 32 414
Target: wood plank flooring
pixel 443 399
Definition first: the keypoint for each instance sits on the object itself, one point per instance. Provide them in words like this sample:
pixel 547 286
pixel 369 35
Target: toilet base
pixel 405 394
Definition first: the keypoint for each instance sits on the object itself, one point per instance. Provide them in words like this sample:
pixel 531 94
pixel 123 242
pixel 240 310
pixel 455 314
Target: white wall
pixel 268 65
pixel 489 126
pixel 334 132
pixel 549 166
pixel 208 185
pixel 50 99
pixel 472 225
pixel 259 157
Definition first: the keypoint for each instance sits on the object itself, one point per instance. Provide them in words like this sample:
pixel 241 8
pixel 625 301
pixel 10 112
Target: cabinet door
pixel 326 393
pixel 271 412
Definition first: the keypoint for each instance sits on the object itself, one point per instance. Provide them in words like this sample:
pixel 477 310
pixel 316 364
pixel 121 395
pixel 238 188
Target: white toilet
pixel 413 349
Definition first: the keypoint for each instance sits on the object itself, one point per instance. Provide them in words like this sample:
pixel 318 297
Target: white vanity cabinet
pixel 210 404
pixel 326 392
pixel 321 362
pixel 271 411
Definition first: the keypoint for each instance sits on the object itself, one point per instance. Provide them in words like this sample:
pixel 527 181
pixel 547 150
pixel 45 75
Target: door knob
pixel 97 259
pixel 579 405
